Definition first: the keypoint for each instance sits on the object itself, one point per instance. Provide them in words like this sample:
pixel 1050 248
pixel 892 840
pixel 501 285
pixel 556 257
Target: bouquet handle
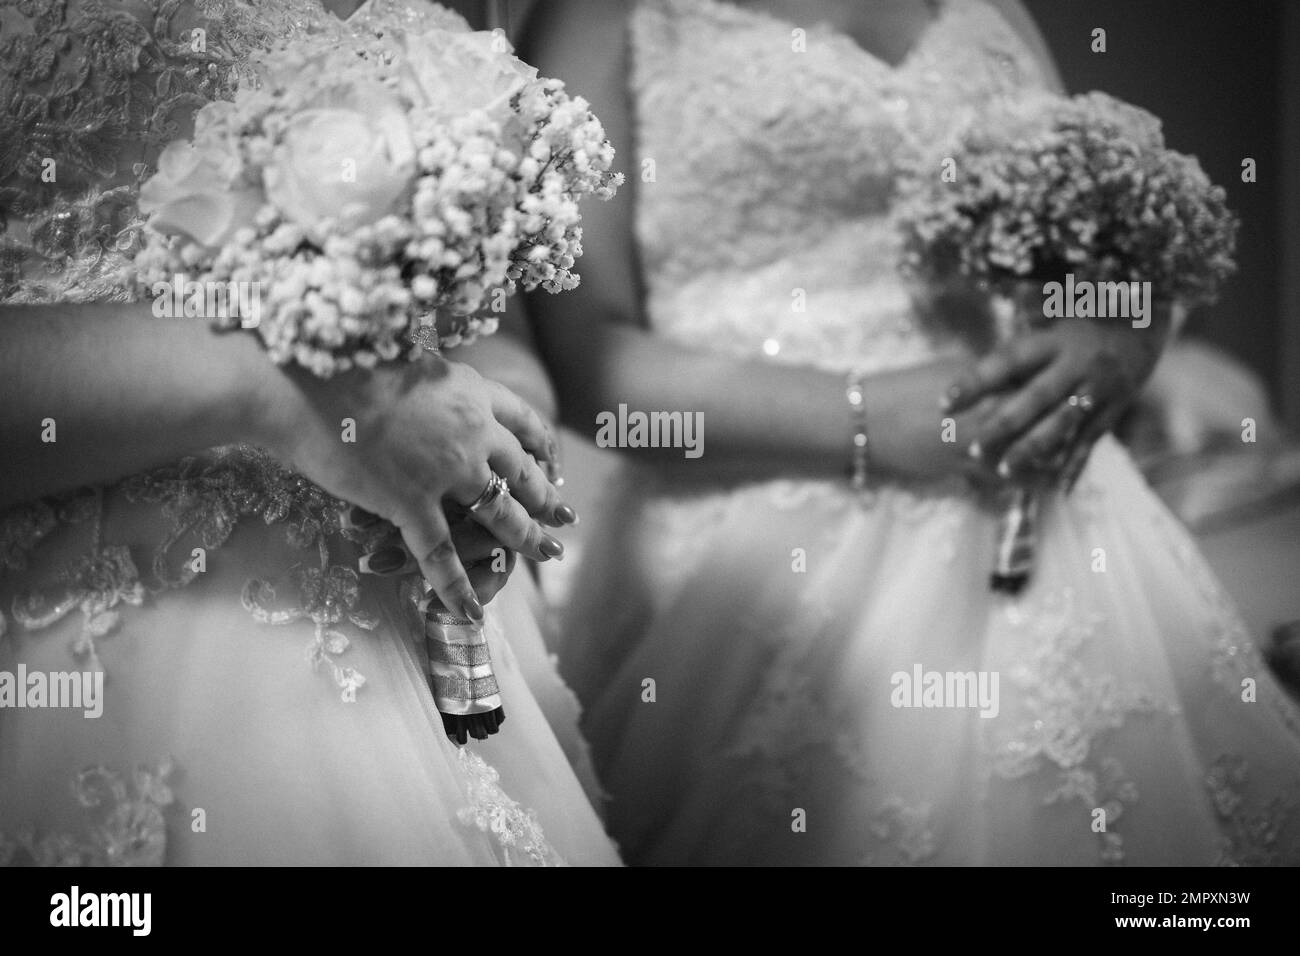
pixel 461 678
pixel 1017 530
pixel 1017 542
pixel 465 689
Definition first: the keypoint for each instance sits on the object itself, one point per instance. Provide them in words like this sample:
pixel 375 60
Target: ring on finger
pixel 496 488
pixel 1081 405
pixel 1082 401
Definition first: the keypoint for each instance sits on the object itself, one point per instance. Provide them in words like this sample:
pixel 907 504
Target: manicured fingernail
pixel 975 451
pixel 358 518
pixel 551 547
pixel 566 514
pixel 383 561
pixel 1004 469
pixel 472 609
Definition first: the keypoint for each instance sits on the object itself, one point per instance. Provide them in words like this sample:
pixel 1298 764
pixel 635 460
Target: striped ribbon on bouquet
pixel 465 689
pixel 461 679
pixel 1017 542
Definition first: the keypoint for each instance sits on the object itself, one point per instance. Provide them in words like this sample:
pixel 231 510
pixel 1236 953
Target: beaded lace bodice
pixel 775 148
pixel 92 90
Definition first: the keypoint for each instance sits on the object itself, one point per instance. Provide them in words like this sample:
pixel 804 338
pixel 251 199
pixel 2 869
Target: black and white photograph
pixel 650 433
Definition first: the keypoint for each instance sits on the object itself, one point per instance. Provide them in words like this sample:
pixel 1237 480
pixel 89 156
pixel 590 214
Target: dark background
pixel 1224 77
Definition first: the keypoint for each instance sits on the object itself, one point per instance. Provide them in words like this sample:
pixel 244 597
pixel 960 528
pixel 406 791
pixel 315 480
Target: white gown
pixel 219 741
pixel 772 617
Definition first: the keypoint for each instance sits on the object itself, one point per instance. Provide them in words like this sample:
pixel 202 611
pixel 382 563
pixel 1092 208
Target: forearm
pixel 91 393
pixel 775 418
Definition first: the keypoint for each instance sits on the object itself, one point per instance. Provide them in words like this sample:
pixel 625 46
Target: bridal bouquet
pixel 362 187
pixel 363 190
pixel 1078 191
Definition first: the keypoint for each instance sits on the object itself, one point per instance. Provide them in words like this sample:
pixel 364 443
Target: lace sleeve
pixel 91 92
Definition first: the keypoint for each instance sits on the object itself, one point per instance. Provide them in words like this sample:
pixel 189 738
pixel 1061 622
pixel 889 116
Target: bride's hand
pixel 488 563
pixel 1059 389
pixel 405 440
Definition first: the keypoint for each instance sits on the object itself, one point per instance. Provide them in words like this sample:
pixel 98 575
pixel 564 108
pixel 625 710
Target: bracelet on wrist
pixel 858 453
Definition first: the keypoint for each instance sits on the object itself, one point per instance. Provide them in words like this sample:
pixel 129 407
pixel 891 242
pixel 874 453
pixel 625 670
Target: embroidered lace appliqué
pixel 1066 709
pixel 1251 835
pixel 904 832
pixel 492 811
pixel 126 823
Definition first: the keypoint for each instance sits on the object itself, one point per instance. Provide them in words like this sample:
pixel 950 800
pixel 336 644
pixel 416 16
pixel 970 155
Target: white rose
pixel 452 74
pixel 349 157
pixel 196 191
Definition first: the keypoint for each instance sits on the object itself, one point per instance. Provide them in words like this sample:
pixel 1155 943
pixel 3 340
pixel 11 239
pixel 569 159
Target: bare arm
pixel 96 392
pixel 783 418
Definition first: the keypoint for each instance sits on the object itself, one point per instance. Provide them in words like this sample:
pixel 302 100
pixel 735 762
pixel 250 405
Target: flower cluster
pixel 368 187
pixel 1047 185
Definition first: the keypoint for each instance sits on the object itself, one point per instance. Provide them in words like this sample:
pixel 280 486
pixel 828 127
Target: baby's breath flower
pixel 1049 185
pixel 492 204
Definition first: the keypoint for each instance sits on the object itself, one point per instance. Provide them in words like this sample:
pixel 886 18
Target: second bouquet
pixel 1055 207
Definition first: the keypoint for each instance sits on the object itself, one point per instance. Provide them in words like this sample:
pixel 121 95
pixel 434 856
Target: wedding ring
pixel 1083 402
pixel 496 487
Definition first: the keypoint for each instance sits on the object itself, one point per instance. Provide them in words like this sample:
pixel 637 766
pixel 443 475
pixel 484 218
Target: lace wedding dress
pixel 271 708
pixel 772 618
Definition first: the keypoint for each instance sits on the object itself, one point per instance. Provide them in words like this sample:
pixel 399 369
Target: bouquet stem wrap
pixel 1017 542
pixel 1017 536
pixel 464 687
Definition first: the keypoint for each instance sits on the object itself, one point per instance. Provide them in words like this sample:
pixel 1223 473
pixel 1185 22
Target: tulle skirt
pixel 220 744
pixel 792 674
